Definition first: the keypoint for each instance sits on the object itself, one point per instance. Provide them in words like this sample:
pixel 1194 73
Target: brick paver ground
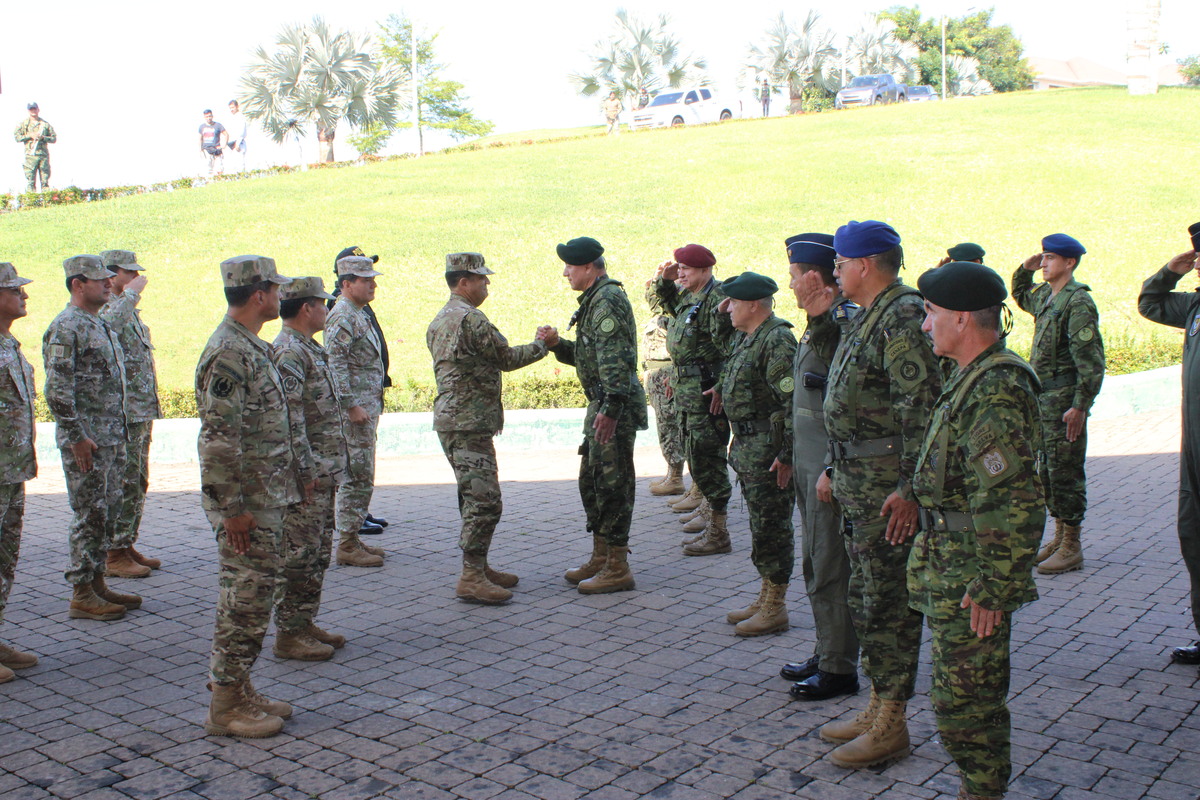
pixel 560 696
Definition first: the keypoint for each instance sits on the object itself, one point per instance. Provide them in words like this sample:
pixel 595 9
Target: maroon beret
pixel 696 256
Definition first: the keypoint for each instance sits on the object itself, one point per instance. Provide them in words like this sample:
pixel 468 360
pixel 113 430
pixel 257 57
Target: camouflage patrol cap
pixel 304 288
pixel 90 267
pixel 361 266
pixel 9 279
pixel 125 259
pixel 249 270
pixel 467 262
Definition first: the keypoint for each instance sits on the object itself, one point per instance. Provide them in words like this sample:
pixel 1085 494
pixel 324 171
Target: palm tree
pixel 963 77
pixel 319 76
pixel 874 49
pixel 801 59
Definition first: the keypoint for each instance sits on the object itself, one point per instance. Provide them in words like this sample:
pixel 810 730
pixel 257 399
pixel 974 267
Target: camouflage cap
pixel 249 270
pixel 125 259
pixel 9 279
pixel 90 267
pixel 361 266
pixel 304 288
pixel 467 262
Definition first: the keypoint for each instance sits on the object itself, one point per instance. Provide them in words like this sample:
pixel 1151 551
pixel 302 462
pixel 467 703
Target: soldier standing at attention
pixel 699 340
pixel 319 441
pixel 249 475
pixel 833 668
pixel 882 383
pixel 656 380
pixel 18 459
pixel 141 409
pixel 982 514
pixel 355 356
pixel 605 358
pixel 756 387
pixel 35 133
pixel 1068 355
pixel 85 390
pixel 469 353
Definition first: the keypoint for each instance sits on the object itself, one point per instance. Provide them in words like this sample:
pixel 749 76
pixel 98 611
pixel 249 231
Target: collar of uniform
pixel 242 330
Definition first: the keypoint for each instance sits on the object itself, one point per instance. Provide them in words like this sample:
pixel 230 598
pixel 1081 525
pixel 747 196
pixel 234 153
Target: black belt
pixel 697 370
pixel 940 521
pixel 750 427
pixel 845 451
pixel 1060 381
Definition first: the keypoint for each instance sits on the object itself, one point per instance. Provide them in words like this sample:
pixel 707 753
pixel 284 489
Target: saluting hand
pixel 1033 263
pixel 1184 263
pixel 814 296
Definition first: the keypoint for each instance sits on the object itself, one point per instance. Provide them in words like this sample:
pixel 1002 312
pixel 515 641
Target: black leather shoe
pixel 383 523
pixel 1186 655
pixel 824 685
pixel 800 672
pixel 370 529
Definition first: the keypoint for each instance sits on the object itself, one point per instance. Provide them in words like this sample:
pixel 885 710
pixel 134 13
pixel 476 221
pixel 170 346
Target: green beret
pixel 578 252
pixel 749 286
pixel 963 286
pixel 966 251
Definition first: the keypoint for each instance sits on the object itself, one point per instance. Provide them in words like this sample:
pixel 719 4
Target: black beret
pixel 966 251
pixel 749 286
pixel 352 250
pixel 963 286
pixel 1194 230
pixel 811 248
pixel 578 252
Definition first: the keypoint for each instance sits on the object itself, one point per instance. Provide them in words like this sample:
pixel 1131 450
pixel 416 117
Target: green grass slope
pixel 1115 171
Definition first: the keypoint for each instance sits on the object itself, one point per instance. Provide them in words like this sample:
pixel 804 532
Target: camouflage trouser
pixel 970 684
pixel 1188 525
pixel 889 632
pixel 1063 465
pixel 607 485
pixel 133 488
pixel 707 443
pixel 354 496
pixel 247 593
pixel 95 498
pixel 472 456
pixel 12 511
pixel 670 437
pixel 307 545
pixel 35 164
pixel 773 546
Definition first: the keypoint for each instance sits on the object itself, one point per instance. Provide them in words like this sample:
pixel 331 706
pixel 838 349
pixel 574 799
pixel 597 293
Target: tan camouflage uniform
pixel 656 378
pixel 35 135
pixel 18 461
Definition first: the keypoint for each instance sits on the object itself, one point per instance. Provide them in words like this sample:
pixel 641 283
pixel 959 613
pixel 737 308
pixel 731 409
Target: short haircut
pixel 235 103
pixel 290 308
pixel 988 318
pixel 207 111
pixel 453 277
pixel 78 277
pixel 826 272
pixel 600 264
pixel 890 261
pixel 1078 259
pixel 238 296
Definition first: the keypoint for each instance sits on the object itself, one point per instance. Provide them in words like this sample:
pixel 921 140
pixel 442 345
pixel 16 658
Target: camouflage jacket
pixel 699 340
pixel 18 460
pixel 605 355
pixel 882 383
pixel 978 473
pixel 654 333
pixel 757 386
pixel 141 382
pixel 28 129
pixel 1159 302
pixel 85 379
pixel 1067 352
pixel 816 349
pixel 355 355
pixel 316 416
pixel 246 458
pixel 469 353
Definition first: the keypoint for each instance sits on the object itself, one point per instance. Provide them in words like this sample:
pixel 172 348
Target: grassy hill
pixel 1114 171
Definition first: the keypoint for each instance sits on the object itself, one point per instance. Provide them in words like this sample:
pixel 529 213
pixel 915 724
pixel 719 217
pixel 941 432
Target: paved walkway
pixel 560 696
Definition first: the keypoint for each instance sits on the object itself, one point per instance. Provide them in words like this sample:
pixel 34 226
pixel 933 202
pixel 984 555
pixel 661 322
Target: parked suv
pixel 682 107
pixel 921 94
pixel 869 90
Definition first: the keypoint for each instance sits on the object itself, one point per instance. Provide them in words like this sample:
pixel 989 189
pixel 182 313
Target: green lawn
pixel 1115 171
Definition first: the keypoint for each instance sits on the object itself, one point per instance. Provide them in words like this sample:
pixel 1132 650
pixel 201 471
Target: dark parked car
pixel 869 90
pixel 922 94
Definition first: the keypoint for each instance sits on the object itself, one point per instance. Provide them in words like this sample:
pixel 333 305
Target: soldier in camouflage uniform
pixel 85 390
pixel 1068 355
pixel 355 356
pixel 699 341
pixel 469 353
pixel 249 475
pixel 882 383
pixel 982 513
pixel 319 440
pixel 656 380
pixel 141 409
pixel 605 358
pixel 18 460
pixel 35 133
pixel 756 387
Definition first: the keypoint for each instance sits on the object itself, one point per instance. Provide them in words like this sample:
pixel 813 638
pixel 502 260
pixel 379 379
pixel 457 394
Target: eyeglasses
pixel 837 263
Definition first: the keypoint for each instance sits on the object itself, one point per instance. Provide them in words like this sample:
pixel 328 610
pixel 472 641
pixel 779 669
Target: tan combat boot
pixel 375 551
pixel 734 617
pixel 771 616
pixel 145 561
pixel 231 713
pixel 963 794
pixel 840 730
pixel 1068 557
pixel 1051 547
pixel 698 523
pixel 715 538
pixel 505 580
pixel 299 646
pixel 614 577
pixel 671 484
pixel 352 553
pixel 689 502
pixel 86 605
pixel 334 640
pixel 130 601
pixel 593 565
pixel 6 674
pixel 474 586
pixel 120 564
pixel 15 659
pixel 886 740
pixel 276 708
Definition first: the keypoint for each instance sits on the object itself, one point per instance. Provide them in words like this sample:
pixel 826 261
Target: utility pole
pixel 943 56
pixel 416 104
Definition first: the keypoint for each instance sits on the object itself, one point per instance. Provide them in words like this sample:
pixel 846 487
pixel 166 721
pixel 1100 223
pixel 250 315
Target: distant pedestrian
pixel 35 133
pixel 238 131
pixel 643 99
pixel 213 138
pixel 612 113
pixel 765 96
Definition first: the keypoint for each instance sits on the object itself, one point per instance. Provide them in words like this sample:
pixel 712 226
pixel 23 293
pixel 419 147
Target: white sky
pixel 124 82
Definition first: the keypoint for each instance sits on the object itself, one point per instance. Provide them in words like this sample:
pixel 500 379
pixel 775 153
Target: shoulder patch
pixel 58 351
pixel 608 325
pixel 993 462
pixel 787 384
pixel 291 384
pixel 221 387
pixel 897 348
pixel 1086 334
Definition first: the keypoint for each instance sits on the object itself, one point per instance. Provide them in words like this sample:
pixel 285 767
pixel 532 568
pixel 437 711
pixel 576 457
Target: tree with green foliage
pixel 802 58
pixel 876 49
pixel 1189 68
pixel 370 139
pixel 441 104
pixel 319 76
